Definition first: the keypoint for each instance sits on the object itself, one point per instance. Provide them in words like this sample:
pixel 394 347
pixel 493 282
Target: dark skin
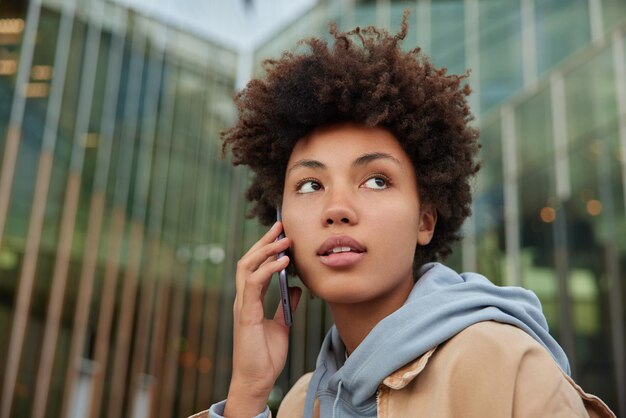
pixel 374 202
pixel 259 344
pixel 363 78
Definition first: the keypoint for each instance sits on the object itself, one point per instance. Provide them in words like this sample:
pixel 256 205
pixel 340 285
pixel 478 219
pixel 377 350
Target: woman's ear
pixel 426 227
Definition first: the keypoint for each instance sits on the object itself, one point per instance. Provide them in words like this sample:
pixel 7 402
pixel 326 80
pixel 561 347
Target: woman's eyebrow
pixel 307 164
pixel 373 156
pixel 360 161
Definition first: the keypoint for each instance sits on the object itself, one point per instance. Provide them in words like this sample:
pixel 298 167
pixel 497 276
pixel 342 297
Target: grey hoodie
pixel 441 304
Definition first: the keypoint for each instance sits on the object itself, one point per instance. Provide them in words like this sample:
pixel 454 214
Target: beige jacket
pixel 489 370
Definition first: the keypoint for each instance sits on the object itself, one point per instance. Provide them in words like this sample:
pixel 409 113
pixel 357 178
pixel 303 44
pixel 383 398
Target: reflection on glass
pixel 141 220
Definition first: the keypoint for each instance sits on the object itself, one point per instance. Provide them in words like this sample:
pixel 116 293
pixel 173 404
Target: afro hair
pixel 362 77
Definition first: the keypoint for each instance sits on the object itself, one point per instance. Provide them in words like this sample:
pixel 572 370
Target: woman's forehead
pixel 348 141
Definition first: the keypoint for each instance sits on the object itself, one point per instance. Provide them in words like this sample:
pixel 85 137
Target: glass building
pixel 120 223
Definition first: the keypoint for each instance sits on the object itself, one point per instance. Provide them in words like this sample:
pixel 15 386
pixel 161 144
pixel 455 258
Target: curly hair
pixel 363 77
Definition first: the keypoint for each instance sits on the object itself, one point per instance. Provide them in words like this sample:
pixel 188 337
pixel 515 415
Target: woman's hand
pixel 259 344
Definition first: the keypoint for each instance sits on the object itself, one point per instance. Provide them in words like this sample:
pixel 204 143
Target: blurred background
pixel 120 223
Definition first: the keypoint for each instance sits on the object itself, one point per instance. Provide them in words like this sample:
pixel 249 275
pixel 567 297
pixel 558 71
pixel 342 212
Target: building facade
pixel 121 223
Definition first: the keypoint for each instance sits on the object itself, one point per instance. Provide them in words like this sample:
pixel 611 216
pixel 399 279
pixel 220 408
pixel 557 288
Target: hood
pixel 441 304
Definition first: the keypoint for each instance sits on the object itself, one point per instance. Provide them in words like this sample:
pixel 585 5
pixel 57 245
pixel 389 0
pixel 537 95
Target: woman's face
pixel 352 211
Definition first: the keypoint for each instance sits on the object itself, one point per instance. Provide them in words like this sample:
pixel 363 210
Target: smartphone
pixel 283 286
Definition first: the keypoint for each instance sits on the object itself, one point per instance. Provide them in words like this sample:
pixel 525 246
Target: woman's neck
pixel 355 321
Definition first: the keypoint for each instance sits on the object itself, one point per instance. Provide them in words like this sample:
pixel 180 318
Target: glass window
pixel 555 38
pixel 500 52
pixel 489 207
pixel 533 132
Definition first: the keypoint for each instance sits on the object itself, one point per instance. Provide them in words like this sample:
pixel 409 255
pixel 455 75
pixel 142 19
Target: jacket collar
pixel 404 375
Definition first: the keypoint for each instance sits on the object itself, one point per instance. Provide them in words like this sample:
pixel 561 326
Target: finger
pixel 253 261
pixel 244 273
pixel 251 309
pixel 294 297
pixel 269 236
pixel 267 285
pixel 269 260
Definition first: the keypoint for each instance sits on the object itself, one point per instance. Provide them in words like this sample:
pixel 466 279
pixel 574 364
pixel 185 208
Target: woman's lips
pixel 344 259
pixel 341 251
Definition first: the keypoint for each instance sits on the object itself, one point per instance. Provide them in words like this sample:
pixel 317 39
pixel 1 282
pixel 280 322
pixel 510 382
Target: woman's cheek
pixel 300 262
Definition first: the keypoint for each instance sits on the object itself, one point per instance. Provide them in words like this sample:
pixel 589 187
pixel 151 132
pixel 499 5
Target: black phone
pixel 283 286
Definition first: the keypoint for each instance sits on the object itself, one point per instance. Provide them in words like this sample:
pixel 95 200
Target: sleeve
pixel 217 411
pixel 541 388
pixel 292 405
pixel 499 370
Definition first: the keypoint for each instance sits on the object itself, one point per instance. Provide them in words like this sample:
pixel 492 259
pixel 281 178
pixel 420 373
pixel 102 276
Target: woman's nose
pixel 341 219
pixel 339 210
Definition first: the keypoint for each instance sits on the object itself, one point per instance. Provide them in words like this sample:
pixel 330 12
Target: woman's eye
pixel 377 183
pixel 309 186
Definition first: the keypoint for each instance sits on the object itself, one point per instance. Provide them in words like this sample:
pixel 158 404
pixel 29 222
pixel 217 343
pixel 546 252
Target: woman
pixel 369 151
